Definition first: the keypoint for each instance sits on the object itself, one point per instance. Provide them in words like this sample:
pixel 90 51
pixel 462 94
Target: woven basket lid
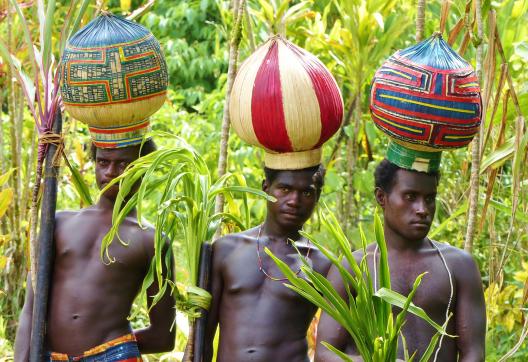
pixel 114 76
pixel 409 159
pixel 427 97
pixel 287 102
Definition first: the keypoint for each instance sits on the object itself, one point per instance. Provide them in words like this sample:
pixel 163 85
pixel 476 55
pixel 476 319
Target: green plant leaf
pixel 399 300
pixel 6 176
pixel 499 156
pixel 79 184
pixel 340 354
pixel 6 196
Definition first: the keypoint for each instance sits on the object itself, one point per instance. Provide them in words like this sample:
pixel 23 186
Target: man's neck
pixel 398 243
pixel 272 229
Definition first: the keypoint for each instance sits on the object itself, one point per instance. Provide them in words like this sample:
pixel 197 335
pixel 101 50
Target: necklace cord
pixel 450 285
pixel 261 266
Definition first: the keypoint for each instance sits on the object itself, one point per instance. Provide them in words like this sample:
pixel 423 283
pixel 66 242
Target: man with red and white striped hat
pixel 285 101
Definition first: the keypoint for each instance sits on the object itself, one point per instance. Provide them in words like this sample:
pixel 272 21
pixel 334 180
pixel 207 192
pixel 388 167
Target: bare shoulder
pixel 461 262
pixel 228 243
pixel 143 231
pixel 454 254
pixel 63 216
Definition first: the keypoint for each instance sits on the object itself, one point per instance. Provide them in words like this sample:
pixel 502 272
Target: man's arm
pixel 23 335
pixel 329 331
pixel 470 313
pixel 158 336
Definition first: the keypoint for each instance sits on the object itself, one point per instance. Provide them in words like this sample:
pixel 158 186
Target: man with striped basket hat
pixel 285 101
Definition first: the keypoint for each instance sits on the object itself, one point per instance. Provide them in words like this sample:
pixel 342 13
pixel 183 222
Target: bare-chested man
pixel 408 202
pixel 260 319
pixel 90 301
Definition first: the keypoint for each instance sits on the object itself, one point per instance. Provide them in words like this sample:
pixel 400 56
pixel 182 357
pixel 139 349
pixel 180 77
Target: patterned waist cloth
pixel 121 349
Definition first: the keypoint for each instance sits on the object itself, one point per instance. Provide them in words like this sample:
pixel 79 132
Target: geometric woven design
pixel 119 136
pixel 287 102
pixel 427 97
pixel 409 159
pixel 120 74
pixel 114 77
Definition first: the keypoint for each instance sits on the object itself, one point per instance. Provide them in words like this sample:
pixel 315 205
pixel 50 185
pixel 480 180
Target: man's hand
pixel 158 337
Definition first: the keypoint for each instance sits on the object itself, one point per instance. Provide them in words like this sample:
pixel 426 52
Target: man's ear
pixel 265 185
pixel 381 196
pixel 319 192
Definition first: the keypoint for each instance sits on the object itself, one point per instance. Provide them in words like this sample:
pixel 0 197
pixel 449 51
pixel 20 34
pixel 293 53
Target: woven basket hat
pixel 287 102
pixel 427 99
pixel 114 76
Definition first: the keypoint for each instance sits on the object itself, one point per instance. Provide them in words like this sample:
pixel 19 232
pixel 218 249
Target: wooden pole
pixel 45 254
pixel 204 278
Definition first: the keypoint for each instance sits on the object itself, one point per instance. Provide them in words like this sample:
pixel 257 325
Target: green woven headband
pixel 413 160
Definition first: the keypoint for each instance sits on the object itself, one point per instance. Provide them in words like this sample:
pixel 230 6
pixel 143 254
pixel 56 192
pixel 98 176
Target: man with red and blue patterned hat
pixel 426 99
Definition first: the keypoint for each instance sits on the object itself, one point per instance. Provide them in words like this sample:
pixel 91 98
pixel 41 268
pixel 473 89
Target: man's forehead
pixel 120 153
pixel 290 177
pixel 415 180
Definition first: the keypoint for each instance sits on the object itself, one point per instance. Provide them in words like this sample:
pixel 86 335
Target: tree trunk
pixel 475 148
pixel 420 20
pixel 231 73
pixel 350 166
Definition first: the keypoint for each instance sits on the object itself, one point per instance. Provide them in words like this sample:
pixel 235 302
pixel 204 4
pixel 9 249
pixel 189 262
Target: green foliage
pixel 352 38
pixel 365 313
pixel 183 188
pixel 193 40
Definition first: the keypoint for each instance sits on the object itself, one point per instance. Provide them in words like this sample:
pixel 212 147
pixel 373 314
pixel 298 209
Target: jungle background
pixel 352 37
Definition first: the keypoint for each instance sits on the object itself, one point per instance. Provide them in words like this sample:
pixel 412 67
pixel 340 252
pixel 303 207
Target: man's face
pixel 410 206
pixel 110 163
pixel 296 196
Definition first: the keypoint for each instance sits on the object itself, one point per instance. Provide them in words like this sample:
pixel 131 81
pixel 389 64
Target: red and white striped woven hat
pixel 287 102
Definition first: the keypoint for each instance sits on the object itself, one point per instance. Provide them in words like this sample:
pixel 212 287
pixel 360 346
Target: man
pixel 407 198
pixel 260 319
pixel 90 300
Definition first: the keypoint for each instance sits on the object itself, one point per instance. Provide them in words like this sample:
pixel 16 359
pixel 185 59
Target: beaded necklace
pixel 261 267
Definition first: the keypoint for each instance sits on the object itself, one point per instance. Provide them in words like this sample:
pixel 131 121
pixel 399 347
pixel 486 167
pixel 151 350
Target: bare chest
pixel 78 246
pixel 250 273
pixel 437 286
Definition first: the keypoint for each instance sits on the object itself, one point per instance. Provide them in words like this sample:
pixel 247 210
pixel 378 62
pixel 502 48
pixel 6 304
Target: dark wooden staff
pixel 204 282
pixel 45 249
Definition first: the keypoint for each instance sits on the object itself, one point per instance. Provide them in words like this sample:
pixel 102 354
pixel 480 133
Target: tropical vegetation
pixel 482 204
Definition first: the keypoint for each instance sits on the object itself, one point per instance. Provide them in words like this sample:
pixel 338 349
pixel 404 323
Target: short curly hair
pixel 317 171
pixel 385 175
